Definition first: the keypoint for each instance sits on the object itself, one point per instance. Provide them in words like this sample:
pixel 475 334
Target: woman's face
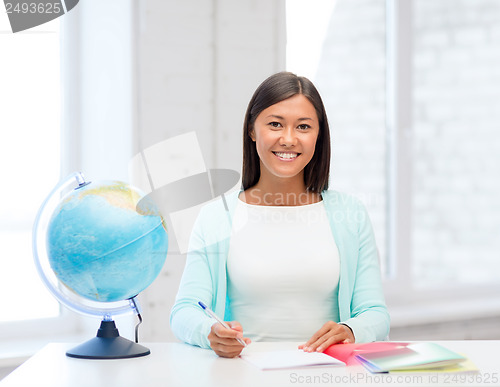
pixel 285 136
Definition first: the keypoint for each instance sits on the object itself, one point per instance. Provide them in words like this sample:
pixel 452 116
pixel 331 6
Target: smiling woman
pixel 285 94
pixel 284 143
pixel 284 259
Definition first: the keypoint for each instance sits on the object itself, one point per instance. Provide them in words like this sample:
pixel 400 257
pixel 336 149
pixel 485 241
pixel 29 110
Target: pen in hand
pixel 219 320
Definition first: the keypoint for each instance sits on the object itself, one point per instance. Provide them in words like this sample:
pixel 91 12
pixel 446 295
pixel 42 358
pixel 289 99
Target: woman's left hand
pixel 330 333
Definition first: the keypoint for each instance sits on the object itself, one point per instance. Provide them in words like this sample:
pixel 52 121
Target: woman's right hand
pixel 223 341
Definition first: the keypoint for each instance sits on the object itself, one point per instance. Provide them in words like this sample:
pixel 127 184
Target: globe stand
pixel 108 344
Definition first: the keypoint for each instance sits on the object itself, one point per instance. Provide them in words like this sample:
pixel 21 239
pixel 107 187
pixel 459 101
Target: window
pixel 346 61
pixel 67 105
pixel 455 143
pixel 412 91
pixel 29 159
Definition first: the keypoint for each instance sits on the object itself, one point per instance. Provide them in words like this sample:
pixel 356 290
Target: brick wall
pixel 455 140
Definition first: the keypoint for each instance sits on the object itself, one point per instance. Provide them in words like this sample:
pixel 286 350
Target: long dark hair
pixel 274 89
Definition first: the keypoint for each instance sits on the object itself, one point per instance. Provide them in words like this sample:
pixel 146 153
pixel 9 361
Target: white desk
pixel 175 364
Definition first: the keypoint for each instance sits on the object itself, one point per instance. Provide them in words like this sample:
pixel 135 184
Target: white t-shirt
pixel 283 271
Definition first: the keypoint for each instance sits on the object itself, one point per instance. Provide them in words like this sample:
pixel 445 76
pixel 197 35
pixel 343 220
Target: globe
pixel 96 246
pixel 102 245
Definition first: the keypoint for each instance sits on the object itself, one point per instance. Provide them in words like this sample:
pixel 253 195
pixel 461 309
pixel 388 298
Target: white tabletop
pixel 175 364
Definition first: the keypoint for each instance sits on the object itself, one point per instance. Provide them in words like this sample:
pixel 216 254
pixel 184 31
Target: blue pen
pixel 220 321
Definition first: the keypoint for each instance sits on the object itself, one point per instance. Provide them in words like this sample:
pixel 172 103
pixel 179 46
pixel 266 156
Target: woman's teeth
pixel 286 155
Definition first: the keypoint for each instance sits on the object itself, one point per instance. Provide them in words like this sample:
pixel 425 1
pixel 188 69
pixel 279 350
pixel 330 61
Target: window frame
pixel 398 285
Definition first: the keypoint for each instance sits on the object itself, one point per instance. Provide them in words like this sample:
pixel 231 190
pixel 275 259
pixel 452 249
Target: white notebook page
pixel 289 359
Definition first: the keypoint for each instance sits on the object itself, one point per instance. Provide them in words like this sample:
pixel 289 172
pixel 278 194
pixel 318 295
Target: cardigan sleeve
pixel 370 319
pixel 188 321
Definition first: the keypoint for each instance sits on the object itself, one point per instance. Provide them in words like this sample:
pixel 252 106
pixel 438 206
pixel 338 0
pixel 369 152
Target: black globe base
pixel 108 344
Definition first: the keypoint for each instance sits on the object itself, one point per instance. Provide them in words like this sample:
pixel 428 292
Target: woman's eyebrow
pixel 275 116
pixel 282 118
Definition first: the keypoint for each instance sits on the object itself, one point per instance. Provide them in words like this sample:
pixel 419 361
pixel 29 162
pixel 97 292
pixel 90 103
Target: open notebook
pixel 289 359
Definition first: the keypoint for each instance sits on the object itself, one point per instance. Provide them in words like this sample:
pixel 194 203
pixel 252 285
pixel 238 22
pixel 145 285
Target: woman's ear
pixel 251 133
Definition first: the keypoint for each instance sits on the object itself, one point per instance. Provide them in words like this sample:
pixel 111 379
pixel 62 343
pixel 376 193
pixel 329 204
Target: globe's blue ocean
pixel 103 247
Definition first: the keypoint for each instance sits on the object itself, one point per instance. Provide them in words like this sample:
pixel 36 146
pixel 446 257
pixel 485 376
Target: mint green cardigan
pixel 361 300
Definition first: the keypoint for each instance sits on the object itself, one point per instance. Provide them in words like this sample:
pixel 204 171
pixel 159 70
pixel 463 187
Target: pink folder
pixel 346 352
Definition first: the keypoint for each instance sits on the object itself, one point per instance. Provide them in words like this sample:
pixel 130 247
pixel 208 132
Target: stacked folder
pixel 384 357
